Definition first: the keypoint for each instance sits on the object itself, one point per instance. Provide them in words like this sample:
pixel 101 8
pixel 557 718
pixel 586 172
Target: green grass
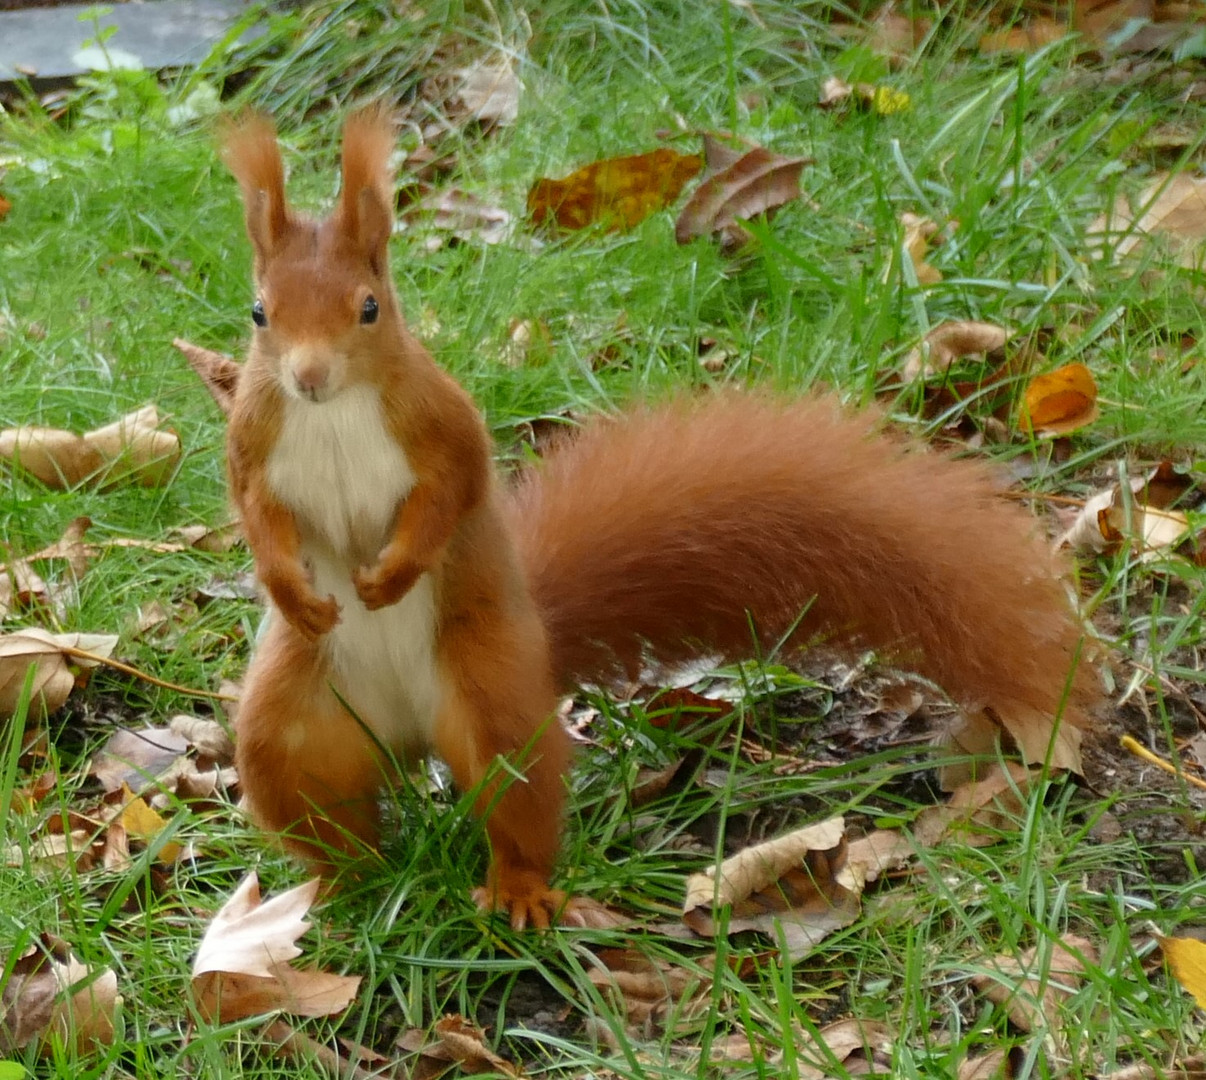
pixel 126 232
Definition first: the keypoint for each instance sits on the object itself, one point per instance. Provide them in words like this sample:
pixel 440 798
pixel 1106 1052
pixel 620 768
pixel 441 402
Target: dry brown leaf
pixel 50 993
pixel 209 737
pixel 834 91
pixel 647 989
pixel 951 341
pixel 978 811
pixel 459 213
pixel 995 1065
pixel 1191 1068
pixel 1173 209
pixel 1109 518
pixel 895 35
pixel 1035 34
pixel 56 673
pixel 488 91
pixel 51 850
pixel 1032 993
pixel 213 539
pixel 757 182
pixel 242 966
pixel 458 1042
pixel 919 234
pixel 5 207
pixel 618 193
pixel 1060 401
pixel 790 884
pixel 136 758
pixel 133 448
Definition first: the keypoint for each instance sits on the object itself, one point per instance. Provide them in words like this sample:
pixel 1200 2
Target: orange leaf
pixel 5 207
pixel 1187 958
pixel 618 193
pixel 1060 401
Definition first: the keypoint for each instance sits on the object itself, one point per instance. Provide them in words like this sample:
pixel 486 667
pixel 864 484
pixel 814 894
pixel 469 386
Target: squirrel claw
pixel 378 586
pixel 311 616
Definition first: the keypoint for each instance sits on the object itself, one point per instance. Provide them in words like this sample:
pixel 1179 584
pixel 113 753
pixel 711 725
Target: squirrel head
pixel 325 305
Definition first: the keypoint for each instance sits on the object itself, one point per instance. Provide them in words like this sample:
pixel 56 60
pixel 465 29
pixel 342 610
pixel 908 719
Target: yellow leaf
pixel 1060 401
pixel 1187 958
pixel 140 820
pixel 618 193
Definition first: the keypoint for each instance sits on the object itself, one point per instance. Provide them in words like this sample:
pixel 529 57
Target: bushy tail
pixel 664 534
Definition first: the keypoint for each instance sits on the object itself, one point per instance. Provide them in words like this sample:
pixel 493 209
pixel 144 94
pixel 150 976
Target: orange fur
pixel 448 613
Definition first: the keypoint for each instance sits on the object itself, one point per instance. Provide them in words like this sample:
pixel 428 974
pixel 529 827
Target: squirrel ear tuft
pixel 366 204
pixel 250 151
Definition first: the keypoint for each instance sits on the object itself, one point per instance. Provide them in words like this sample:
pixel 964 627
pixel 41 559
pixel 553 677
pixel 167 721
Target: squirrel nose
pixel 311 379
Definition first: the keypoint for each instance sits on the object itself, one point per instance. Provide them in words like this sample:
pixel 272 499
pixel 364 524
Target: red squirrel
pixel 419 603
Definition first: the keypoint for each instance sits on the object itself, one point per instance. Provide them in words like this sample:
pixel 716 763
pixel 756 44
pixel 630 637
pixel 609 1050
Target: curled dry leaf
pixel 804 883
pixel 57 673
pixel 919 234
pixel 242 966
pixel 735 188
pixel 1034 34
pixel 979 811
pixel 1172 211
pixel 1141 516
pixel 951 341
pixel 1059 402
pixel 457 1042
pixel 995 1065
pixel 1032 991
pixel 646 988
pixel 50 993
pixel 618 193
pixel 132 448
pixel 488 91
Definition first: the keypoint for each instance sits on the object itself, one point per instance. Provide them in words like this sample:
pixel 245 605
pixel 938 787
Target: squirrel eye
pixel 368 313
pixel 257 314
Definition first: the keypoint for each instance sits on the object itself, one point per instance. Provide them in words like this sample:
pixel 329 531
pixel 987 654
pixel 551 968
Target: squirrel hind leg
pixel 500 704
pixel 309 772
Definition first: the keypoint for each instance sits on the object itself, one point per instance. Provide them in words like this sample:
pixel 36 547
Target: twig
pixel 96 658
pixel 1143 752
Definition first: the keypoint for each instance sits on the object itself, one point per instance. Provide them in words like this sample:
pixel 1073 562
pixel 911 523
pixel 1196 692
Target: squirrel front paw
pixel 386 582
pixel 309 614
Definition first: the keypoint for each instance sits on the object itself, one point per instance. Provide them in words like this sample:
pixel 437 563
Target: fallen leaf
pixel 458 1042
pixel 647 988
pixel 1060 401
pixel 799 883
pixel 1034 34
pixel 135 758
pixel 143 823
pixel 50 993
pixel 1187 958
pixel 133 447
pixel 979 811
pixel 459 213
pixel 951 341
pixel 1173 210
pixel 5 207
pixel 995 1065
pixel 57 673
pixel 1031 992
pixel 919 233
pixel 758 181
pixel 242 966
pixel 488 91
pixel 618 193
